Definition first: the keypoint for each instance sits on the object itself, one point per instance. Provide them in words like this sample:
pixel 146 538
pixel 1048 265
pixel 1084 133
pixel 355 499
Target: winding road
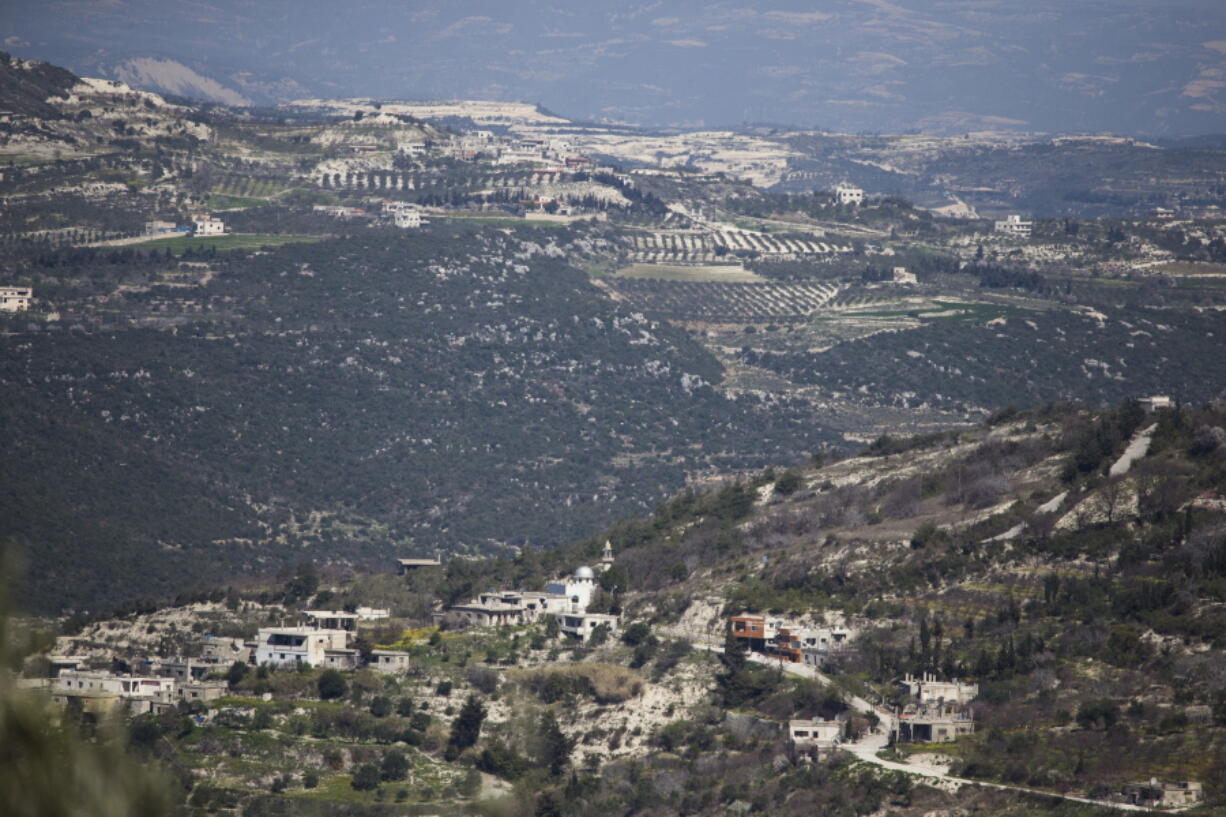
pixel 866 749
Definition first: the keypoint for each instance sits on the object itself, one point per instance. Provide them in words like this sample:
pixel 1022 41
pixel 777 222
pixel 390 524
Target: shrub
pixel 331 685
pixel 404 707
pixel 381 706
pixel 366 777
pixel 395 766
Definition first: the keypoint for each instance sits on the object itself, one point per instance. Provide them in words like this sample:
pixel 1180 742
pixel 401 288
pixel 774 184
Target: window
pixel 800 733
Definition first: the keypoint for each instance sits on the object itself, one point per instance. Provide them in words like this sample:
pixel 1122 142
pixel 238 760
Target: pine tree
pixel 466 728
pixel 555 746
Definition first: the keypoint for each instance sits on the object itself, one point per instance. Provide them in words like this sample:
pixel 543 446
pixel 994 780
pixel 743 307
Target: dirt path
pixel 1137 448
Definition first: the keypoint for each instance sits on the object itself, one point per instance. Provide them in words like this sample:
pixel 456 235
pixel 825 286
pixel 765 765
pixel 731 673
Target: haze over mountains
pixel 1091 65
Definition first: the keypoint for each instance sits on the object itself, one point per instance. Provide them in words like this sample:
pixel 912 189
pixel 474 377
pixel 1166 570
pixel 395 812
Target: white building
pixel 580 626
pixel 847 194
pixel 330 620
pixel 125 686
pixel 207 225
pixel 816 735
pixel 291 645
pixel 1014 226
pixel 15 299
pixel 899 275
pixel 927 688
pixel 578 589
pixel 1156 402
pixel 407 219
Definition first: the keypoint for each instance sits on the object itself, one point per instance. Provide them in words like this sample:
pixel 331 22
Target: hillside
pixel 353 398
pixel 1081 597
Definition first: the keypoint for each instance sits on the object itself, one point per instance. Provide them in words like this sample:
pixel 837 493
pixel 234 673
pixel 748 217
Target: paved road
pixel 866 748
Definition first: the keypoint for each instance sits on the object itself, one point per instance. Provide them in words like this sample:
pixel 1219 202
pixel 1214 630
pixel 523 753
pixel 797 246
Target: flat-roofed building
pixel 1014 226
pixel 280 646
pixel 580 626
pixel 16 299
pixel 389 661
pixel 816 735
pixel 330 620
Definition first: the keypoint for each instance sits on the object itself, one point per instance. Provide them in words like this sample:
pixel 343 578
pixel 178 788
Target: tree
pixel 303 584
pixel 331 685
pixel 236 673
pixel 466 728
pixel 395 766
pixel 365 777
pixel 381 706
pixel 551 626
pixel 555 746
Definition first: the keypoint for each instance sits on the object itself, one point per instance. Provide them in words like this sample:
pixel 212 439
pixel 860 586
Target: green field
pixel 707 274
pixel 224 201
pixel 944 310
pixel 221 243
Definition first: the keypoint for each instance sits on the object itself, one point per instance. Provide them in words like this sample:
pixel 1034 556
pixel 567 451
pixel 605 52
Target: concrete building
pixel 847 194
pixel 927 689
pixel 899 275
pixel 406 566
pixel 1162 795
pixel 407 219
pixel 938 722
pixel 816 736
pixel 580 626
pixel 389 661
pixel 281 646
pixel 1014 226
pixel 1156 402
pixel 330 620
pixel 201 690
pixel 15 299
pixel 478 614
pixel 125 686
pixel 342 659
pixel 225 651
pixel 207 225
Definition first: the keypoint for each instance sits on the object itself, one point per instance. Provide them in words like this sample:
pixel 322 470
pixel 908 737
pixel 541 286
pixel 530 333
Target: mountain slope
pixel 360 397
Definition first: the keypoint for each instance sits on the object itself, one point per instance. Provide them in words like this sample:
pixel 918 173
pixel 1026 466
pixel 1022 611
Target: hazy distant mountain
pixel 1137 66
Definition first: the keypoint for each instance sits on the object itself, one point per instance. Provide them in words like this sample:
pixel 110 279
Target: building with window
pixel 15 299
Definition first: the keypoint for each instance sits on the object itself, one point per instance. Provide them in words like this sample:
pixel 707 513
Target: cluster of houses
pixel 790 642
pixel 565 599
pixel 322 638
pixel 1155 794
pixel 202 224
pixel 559 154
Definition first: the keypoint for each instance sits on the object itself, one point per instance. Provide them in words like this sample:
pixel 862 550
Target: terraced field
pixel 723 302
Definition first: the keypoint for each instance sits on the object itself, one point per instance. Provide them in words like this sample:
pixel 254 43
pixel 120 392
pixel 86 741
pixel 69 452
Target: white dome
pixel 585 572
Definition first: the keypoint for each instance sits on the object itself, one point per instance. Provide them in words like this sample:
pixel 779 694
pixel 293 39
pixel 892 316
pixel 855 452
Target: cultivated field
pixel 726 273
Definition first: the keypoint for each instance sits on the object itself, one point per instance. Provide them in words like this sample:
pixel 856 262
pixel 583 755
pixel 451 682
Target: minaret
pixel 606 558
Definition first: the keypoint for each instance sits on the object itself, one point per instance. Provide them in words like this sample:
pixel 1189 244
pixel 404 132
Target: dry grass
pixel 609 683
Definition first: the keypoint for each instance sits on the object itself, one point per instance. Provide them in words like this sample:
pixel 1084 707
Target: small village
pixel 92 683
